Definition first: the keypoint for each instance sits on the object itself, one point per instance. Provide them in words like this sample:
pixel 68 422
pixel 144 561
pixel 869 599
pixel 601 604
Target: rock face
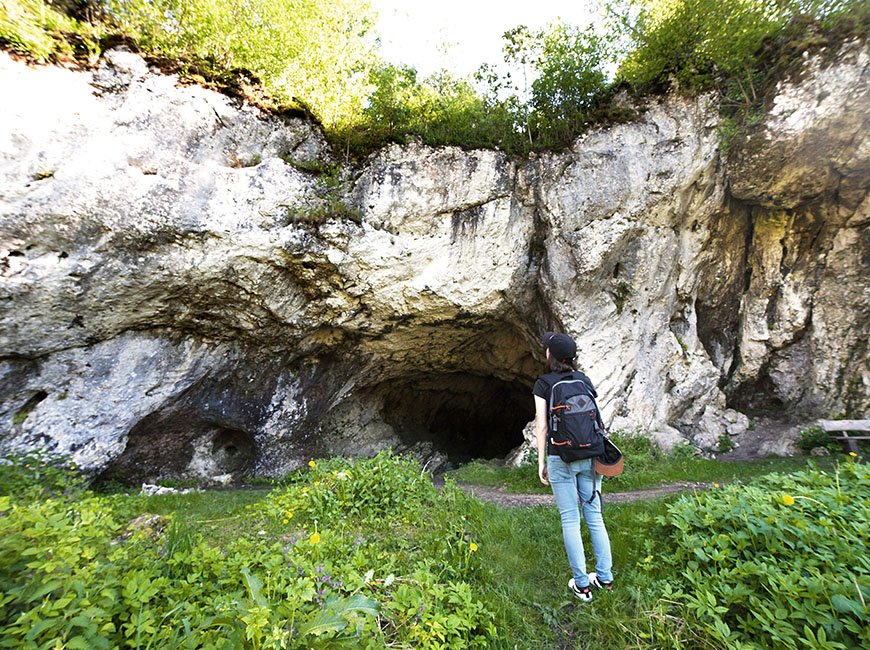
pixel 175 302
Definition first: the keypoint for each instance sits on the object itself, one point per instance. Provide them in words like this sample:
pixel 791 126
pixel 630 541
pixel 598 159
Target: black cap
pixel 561 346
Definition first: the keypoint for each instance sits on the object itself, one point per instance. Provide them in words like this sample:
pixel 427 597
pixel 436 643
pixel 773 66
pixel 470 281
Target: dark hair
pixel 554 365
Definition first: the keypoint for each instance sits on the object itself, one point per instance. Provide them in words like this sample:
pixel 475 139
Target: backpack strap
pixel 592 394
pixel 551 416
pixel 594 490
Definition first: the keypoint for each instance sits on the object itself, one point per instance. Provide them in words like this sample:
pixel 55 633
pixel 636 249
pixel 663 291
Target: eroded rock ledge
pixel 166 311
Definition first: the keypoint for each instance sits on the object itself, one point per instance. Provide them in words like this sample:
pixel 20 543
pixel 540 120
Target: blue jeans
pixel 567 481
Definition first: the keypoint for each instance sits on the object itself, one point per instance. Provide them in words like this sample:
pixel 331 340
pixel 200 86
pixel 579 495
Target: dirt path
pixel 520 500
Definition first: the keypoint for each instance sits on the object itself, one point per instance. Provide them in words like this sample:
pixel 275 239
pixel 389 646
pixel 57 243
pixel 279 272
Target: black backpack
pixel 576 429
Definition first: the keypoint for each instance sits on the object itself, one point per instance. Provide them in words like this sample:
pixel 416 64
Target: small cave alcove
pixel 180 446
pixel 464 416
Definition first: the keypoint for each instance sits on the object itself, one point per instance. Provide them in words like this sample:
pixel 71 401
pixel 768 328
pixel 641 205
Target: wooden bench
pixel 845 426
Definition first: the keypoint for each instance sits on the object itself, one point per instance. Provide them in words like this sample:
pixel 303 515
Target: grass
pixel 645 467
pixel 524 573
pixel 510 561
pixel 219 516
pixel 527 581
pixel 524 570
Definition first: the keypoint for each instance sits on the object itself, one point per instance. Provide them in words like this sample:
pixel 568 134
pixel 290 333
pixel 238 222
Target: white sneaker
pixel 600 584
pixel 583 593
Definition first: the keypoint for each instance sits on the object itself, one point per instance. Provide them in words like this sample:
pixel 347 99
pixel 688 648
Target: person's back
pixel 571 478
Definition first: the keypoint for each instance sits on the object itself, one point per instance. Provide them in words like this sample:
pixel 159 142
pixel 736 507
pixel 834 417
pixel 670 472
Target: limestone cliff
pixel 174 304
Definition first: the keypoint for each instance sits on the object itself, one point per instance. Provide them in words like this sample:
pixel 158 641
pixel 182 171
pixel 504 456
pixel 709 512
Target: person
pixel 568 480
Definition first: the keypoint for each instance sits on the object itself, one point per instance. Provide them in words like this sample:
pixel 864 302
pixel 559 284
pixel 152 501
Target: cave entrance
pixel 463 416
pixel 181 446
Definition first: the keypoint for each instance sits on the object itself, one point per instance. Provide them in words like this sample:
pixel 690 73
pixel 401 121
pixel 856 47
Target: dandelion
pixel 472 546
pixel 852 453
pixel 715 485
pixel 315 538
pixel 285 521
pixel 789 500
pixel 312 464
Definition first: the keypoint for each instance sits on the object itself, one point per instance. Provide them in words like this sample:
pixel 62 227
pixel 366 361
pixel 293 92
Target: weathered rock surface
pixel 168 310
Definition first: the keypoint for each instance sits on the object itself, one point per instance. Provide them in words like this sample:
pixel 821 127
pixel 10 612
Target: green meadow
pixel 369 554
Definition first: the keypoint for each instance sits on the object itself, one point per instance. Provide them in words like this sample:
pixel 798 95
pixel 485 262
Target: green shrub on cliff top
pixel 323 55
pixel 38 29
pixel 314 52
pixel 714 42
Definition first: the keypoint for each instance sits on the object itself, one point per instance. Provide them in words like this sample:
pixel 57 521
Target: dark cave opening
pixel 181 446
pixel 464 416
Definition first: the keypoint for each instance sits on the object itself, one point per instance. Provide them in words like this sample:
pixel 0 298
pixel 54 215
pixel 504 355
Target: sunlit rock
pixel 191 289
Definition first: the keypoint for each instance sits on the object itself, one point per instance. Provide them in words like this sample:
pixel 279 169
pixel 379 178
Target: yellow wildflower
pixel 852 453
pixel 472 546
pixel 788 499
pixel 285 521
pixel 312 464
pixel 315 538
pixel 715 485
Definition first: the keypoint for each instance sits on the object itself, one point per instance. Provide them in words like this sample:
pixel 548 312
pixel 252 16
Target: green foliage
pixel 512 479
pixel 77 572
pixel 322 56
pixel 39 30
pixel 702 42
pixel 813 437
pixel 529 571
pixel 384 488
pixel 622 292
pixel 27 477
pixel 569 81
pixel 737 47
pixel 83 581
pixel 302 50
pixel 725 443
pixel 566 94
pixel 782 563
pixel 728 129
pixel 331 191
pixel 458 574
pixel 440 110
